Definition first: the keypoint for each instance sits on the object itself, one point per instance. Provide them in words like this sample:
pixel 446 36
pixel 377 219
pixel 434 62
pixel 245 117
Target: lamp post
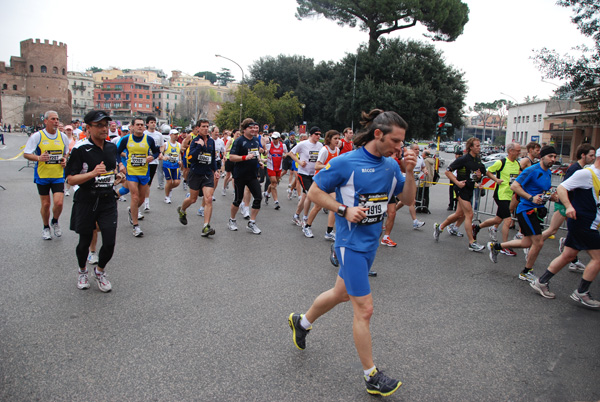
pixel 241 88
pixel 303 106
pixel 518 112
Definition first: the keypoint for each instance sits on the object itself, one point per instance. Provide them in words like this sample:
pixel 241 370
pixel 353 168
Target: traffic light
pixel 439 128
pixel 445 128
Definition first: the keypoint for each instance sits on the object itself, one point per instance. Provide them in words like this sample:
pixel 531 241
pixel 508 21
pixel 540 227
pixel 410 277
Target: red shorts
pixel 274 173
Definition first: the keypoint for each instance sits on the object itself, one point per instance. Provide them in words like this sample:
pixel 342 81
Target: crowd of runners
pixel 359 180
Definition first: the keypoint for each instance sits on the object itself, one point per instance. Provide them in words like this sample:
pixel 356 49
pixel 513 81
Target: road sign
pixel 266 127
pixel 442 112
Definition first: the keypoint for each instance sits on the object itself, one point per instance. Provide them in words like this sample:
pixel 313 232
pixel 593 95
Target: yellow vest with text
pixel 56 148
pixel 137 152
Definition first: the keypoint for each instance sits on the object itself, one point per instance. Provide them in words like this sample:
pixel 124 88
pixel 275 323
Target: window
pixel 519 120
pixel 31 68
pixel 119 87
pixel 167 105
pixel 107 105
pixel 158 96
pixel 43 69
pixel 55 70
pixel 117 105
pixel 4 86
pixel 147 96
pixel 63 71
pixel 117 96
pixel 175 97
pixel 15 87
pixel 167 98
pixel 127 96
pixel 147 106
pixel 98 104
pixel 527 119
pixel 534 117
pixel 539 117
pixel 106 96
pixel 99 96
pixel 515 120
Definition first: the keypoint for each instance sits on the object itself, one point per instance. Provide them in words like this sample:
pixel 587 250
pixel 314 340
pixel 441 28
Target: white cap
pixel 275 135
pixel 174 131
pixel 124 128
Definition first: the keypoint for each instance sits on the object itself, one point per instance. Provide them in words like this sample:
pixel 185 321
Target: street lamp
pixel 241 89
pixel 518 112
pixel 302 106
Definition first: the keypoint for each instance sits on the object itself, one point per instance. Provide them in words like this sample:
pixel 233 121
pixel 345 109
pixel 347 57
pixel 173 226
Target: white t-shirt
pixel 158 141
pixel 34 140
pixel 219 147
pixel 309 152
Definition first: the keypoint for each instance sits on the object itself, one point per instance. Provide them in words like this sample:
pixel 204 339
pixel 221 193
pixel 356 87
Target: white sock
pixel 369 371
pixel 147 200
pixel 415 221
pixel 385 237
pixel 304 323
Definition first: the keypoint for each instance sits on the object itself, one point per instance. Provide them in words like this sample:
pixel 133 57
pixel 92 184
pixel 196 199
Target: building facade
pixel 81 86
pixel 124 97
pixel 34 83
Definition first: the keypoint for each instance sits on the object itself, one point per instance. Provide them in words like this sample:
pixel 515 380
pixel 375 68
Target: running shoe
pixel 476 247
pixel 476 230
pixel 103 283
pixel 333 257
pixel 277 206
pixel 146 206
pixel 296 221
pixel 200 211
pixel 298 333
pixel 509 252
pixel 380 384
pixel 213 198
pixel 542 288
pixel 93 258
pixel 493 233
pixel 129 215
pixel 561 244
pixel 458 233
pixel 182 216
pixel 418 224
pixel 585 299
pixel 330 236
pixel 252 228
pixel 160 187
pixel 372 273
pixel 83 281
pixel 122 199
pixel 529 276
pixel 436 231
pixel 266 196
pixel 493 252
pixel 289 194
pixel 56 228
pixel 207 231
pixel 518 236
pixel 246 213
pixel 232 225
pixel 67 193
pixel 223 192
pixel 295 193
pixel 388 242
pixel 325 211
pixel 576 266
pixel 46 234
pixel 307 232
pixel 167 200
pixel 451 231
pixel 185 186
pixel 137 232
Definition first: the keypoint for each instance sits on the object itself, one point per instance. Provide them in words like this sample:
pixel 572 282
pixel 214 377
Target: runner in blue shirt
pixel 363 180
pixel 531 186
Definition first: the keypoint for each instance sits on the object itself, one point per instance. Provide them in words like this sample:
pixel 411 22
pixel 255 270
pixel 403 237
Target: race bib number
pixel 138 160
pixel 55 157
pixel 173 158
pixel 205 158
pixel 376 205
pixel 106 180
pixel 312 156
pixel 255 152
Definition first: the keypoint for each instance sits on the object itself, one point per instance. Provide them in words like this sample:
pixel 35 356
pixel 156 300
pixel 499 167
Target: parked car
pixel 494 157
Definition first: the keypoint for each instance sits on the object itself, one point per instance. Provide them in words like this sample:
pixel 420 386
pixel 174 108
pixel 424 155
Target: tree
pixel 445 20
pixel 485 110
pixel 583 73
pixel 208 75
pixel 262 104
pixel 94 69
pixel 224 76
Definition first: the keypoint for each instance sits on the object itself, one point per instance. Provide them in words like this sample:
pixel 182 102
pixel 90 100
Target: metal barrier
pixel 422 191
pixel 485 204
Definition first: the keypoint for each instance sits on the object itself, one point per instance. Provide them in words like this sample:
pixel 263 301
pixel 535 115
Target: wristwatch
pixel 531 199
pixel 342 210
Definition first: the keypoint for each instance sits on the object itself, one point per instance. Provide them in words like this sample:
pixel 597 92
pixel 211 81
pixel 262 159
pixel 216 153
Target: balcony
pixel 78 87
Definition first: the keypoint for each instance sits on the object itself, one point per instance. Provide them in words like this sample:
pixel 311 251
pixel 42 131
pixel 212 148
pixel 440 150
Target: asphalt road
pixel 195 319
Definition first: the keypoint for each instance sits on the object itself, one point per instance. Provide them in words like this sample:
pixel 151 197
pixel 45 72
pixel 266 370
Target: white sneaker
pixel 185 186
pixel 252 228
pixel 46 234
pixel 232 225
pixel 493 233
pixel 307 232
pixel 330 236
pixel 214 199
pixel 200 211
pixel 122 199
pixel 103 283
pixel 418 224
pixel 146 205
pixel 140 216
pixel 57 231
pixel 93 258
pixel 246 212
pixel 277 206
pixel 67 193
pixel 223 192
pixel 167 200
pixel 289 194
pixel 576 266
pixel 137 232
pixel 83 282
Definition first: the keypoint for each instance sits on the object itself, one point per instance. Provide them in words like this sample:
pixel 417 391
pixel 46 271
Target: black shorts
pixel 198 181
pixel 85 215
pixel 253 185
pixel 228 166
pixel 393 200
pixel 503 211
pixel 152 171
pixel 305 181
pixel 44 189
pixel 286 164
pixel 466 193
pixel 580 236
pixel 219 164
pixel 530 223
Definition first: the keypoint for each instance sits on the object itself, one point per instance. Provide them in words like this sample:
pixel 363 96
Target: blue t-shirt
pixel 534 181
pixel 359 178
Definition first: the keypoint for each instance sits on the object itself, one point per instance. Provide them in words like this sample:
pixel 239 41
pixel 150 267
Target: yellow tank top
pixel 172 153
pixel 56 148
pixel 137 164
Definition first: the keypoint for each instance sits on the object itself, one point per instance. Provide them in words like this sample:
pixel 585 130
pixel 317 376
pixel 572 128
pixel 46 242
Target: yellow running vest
pixel 56 148
pixel 137 164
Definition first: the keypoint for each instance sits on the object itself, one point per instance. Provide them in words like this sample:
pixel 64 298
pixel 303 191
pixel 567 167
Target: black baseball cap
pixel 95 116
pixel 314 130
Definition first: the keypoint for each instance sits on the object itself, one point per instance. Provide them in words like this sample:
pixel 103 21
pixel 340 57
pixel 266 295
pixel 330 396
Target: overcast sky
pixel 494 51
